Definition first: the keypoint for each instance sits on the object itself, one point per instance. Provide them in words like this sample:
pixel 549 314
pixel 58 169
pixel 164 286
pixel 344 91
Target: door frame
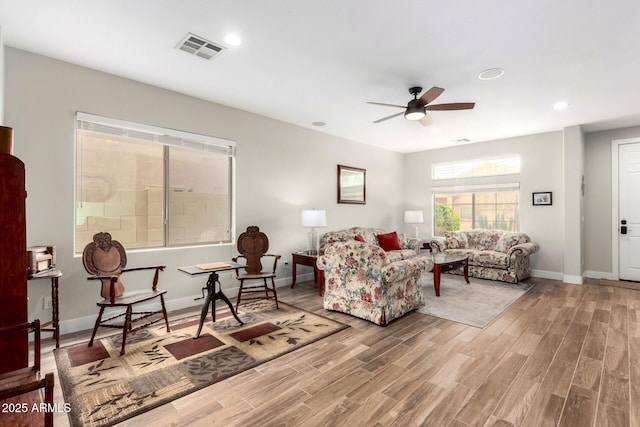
pixel 615 177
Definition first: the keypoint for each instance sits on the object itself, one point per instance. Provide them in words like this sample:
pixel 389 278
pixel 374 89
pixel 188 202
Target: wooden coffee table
pixel 447 263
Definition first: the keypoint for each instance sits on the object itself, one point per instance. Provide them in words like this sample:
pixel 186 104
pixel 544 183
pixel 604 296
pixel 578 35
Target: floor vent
pixel 198 46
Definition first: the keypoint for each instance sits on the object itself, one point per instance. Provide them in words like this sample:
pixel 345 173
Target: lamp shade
pixel 313 218
pixel 413 217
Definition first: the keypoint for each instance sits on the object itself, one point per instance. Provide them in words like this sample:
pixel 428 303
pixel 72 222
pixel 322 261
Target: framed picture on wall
pixel 352 185
pixel 542 199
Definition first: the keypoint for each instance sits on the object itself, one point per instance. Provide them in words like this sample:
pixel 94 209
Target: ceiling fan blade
pixel 452 106
pixel 430 95
pixel 389 117
pixel 387 105
pixel 426 120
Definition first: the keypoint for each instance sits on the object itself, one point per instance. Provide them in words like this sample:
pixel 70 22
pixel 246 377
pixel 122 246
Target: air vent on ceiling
pixel 198 46
pixel 462 140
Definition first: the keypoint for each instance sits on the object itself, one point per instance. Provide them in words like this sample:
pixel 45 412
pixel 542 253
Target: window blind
pixel 478 188
pixel 164 136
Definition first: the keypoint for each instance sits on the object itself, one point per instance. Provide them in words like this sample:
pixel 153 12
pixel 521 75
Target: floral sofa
pixel 493 254
pixel 408 247
pixel 361 280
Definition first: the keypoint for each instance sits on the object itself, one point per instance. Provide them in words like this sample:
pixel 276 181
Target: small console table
pixel 304 258
pixel 212 294
pixel 54 324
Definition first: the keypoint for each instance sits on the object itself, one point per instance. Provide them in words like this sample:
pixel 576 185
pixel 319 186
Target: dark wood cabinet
pixel 14 348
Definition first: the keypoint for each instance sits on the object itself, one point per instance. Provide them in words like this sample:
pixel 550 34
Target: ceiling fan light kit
pixel 414 112
pixel 416 109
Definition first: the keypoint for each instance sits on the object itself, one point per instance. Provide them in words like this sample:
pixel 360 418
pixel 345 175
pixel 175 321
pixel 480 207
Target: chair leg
pixel 126 328
pixel 48 398
pixel 95 328
pixel 266 288
pixel 164 313
pixel 275 295
pixel 239 295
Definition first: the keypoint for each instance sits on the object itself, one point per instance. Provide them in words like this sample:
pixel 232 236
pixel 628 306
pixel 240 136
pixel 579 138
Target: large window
pixel 472 203
pixel 151 187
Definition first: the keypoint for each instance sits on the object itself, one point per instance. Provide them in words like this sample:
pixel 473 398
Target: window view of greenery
pixel 486 209
pixel 471 203
pixel 148 194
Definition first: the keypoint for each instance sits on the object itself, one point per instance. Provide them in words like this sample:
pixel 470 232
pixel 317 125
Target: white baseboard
pixel 576 280
pixel 86 323
pixel 543 274
pixel 600 275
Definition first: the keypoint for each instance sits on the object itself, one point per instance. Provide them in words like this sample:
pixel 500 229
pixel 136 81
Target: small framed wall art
pixel 542 199
pixel 352 185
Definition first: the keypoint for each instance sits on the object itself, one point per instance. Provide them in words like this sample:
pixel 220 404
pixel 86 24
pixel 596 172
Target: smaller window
pixel 476 206
pixel 508 165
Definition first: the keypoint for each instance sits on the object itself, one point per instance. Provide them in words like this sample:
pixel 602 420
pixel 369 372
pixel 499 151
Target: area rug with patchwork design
pixel 104 388
pixel 476 304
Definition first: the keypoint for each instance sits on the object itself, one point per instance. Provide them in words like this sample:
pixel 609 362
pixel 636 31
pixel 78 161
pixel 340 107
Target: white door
pixel 629 211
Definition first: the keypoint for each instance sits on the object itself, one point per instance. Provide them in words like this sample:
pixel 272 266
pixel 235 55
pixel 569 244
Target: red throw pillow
pixel 359 238
pixel 389 241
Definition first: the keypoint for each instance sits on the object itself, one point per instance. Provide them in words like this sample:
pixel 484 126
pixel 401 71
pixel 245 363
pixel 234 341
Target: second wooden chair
pixel 253 246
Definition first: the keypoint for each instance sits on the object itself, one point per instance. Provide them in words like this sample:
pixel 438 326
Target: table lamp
pixel 312 219
pixel 414 217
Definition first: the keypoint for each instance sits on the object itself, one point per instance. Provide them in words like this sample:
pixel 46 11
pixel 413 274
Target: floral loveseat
pixel 361 280
pixel 493 254
pixel 408 247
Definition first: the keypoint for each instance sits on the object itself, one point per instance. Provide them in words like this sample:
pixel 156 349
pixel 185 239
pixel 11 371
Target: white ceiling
pixel 321 60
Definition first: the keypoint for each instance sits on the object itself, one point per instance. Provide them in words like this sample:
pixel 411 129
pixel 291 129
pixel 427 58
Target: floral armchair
pixel 361 281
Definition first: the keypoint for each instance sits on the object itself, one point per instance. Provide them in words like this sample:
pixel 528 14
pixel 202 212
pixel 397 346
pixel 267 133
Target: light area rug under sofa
pixel 476 304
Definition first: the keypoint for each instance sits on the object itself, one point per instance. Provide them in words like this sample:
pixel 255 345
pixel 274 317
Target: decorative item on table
pixel 6 140
pixel 213 266
pixel 40 259
pixel 414 217
pixel 311 219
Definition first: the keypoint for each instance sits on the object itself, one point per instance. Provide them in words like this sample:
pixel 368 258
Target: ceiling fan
pixel 417 108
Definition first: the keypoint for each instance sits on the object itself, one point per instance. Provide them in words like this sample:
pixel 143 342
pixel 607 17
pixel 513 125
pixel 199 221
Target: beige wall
pixel 573 167
pixel 598 219
pixel 281 169
pixel 541 170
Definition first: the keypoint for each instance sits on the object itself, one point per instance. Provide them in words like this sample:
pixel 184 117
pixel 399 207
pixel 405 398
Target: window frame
pixel 165 137
pixel 470 163
pixel 473 189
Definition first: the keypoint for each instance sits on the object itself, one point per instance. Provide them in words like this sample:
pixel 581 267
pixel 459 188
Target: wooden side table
pixel 212 294
pixel 54 324
pixel 304 258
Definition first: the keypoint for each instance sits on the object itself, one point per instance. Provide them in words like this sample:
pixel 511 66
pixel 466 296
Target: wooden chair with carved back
pixel 21 389
pixel 105 259
pixel 253 246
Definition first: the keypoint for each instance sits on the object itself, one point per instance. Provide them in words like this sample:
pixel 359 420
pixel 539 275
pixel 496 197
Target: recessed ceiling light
pixel 232 39
pixel 561 105
pixel 491 73
pixel 318 123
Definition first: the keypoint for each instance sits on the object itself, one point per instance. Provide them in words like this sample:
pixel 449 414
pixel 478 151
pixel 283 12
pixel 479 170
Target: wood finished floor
pixel 563 354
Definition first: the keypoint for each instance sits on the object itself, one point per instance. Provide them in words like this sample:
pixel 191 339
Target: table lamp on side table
pixel 311 219
pixel 414 217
